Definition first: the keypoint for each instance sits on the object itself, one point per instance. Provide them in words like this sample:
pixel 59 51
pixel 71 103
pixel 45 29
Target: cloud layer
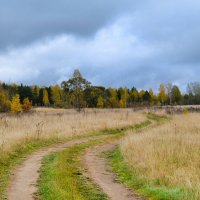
pixel 113 43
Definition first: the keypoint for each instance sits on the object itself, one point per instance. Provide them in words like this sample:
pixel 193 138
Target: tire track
pixel 97 169
pixel 23 184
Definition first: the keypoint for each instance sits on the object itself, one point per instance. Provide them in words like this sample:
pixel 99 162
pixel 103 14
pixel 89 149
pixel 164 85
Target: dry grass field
pixel 168 155
pixel 60 123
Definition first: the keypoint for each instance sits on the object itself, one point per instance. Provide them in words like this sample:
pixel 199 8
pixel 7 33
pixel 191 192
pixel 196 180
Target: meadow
pixel 167 158
pixel 158 158
pixel 45 123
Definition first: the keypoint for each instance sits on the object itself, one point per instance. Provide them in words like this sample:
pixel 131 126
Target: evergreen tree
pixel 134 97
pixel 176 95
pixel 36 95
pixel 146 97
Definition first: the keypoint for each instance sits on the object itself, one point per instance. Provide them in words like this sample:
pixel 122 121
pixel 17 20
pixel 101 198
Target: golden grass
pixel 168 155
pixel 60 123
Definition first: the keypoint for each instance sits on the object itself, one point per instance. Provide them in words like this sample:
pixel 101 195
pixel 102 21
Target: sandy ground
pixel 98 169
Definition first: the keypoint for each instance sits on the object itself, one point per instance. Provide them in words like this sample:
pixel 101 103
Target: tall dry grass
pixel 60 123
pixel 168 155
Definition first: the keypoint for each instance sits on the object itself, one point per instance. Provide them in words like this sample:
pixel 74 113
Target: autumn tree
pixel 55 96
pixel 5 104
pixel 162 96
pixel 76 86
pixel 27 105
pixel 15 104
pixel 92 95
pixel 123 96
pixel 45 97
pixel 100 103
pixel 133 96
pixel 111 98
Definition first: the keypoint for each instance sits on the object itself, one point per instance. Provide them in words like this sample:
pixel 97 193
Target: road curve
pixel 23 184
pixel 97 169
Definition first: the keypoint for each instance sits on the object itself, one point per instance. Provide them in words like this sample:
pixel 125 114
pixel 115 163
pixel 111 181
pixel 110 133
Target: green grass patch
pixel 129 177
pixel 62 178
pixel 8 160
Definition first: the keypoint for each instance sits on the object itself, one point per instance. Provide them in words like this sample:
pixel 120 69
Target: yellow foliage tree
pixel 4 103
pixel 15 104
pixel 45 98
pixel 55 95
pixel 123 97
pixel 27 105
pixel 100 103
pixel 162 96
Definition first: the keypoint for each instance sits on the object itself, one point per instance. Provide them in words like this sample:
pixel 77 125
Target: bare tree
pixel 169 87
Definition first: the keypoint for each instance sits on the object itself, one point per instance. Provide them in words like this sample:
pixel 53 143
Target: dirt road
pixel 23 184
pixel 98 169
pixel 24 179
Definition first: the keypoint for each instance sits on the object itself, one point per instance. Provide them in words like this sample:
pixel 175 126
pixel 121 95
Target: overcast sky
pixel 113 43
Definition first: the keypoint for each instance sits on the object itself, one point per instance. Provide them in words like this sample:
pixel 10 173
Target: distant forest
pixel 78 93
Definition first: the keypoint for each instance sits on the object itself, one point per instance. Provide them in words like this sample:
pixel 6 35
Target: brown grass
pixel 169 154
pixel 60 123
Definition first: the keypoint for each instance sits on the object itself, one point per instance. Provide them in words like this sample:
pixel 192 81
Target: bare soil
pixel 23 184
pixel 98 169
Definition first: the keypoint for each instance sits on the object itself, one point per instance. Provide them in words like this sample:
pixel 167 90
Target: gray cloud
pixel 114 43
pixel 27 20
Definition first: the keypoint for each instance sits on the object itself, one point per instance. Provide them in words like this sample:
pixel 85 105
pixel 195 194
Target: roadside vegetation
pixel 163 162
pixel 53 123
pixel 62 174
pixel 24 134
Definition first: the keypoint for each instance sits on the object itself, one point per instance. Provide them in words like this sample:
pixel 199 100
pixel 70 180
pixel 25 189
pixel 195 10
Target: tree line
pixel 78 93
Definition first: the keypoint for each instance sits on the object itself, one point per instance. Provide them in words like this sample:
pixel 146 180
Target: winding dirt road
pixel 23 184
pixel 98 169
